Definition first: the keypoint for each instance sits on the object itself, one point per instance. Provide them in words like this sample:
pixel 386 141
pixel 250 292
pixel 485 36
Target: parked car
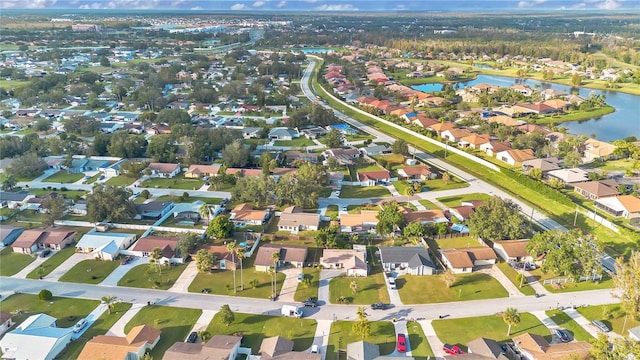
pixel 192 337
pixel 300 277
pixel 379 306
pixel 310 302
pixel 45 252
pixel 452 349
pixel 314 349
pixel 205 290
pixel 79 325
pixel 125 260
pixel 601 326
pixel 402 343
pixel 562 335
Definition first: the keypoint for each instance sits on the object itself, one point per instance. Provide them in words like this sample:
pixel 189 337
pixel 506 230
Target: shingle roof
pixel 458 259
pixel 274 346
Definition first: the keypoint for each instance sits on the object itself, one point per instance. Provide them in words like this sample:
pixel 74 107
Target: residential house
pixel 223 258
pixel 77 166
pixel 353 262
pixel 191 212
pixel 538 108
pixel 597 189
pixel 458 261
pixel 79 208
pixel 596 149
pixel 15 200
pixel 199 171
pixel 626 206
pixel 238 172
pixel 417 172
pixel 424 122
pixel 515 157
pixel 482 255
pixel 293 156
pixel 504 120
pixel 274 346
pixel 167 245
pixel 376 150
pixel 282 133
pixel 487 348
pixel 455 135
pixel 557 104
pixel 569 176
pixel 494 147
pixel 219 347
pixel 362 350
pixel 314 132
pixel 545 165
pixel 344 156
pixel 244 214
pixel 462 213
pixel 40 329
pixel 153 209
pixel 9 234
pixel 522 89
pixel 552 93
pixel 293 219
pixel 31 240
pixel 164 170
pixel 104 245
pixel 289 255
pixel 6 322
pixel 474 141
pixel 512 250
pixel 414 260
pixel 251 133
pixel 534 347
pixel 373 178
pixel 634 333
pixel 139 340
pixel 112 169
pixel 362 221
pixel 424 216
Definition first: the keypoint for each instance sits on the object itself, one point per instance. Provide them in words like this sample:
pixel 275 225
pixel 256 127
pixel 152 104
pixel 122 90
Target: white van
pixel 291 310
pixel 314 349
pixel 392 283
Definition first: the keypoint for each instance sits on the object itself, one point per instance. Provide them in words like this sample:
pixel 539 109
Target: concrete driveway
pixel 72 261
pixel 22 274
pixel 323 287
pixel 185 279
pixel 122 270
pixel 290 284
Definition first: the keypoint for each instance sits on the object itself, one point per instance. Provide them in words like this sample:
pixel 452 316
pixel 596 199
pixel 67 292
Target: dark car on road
pixel 452 349
pixel 45 252
pixel 379 306
pixel 310 302
pixel 562 335
pixel 192 337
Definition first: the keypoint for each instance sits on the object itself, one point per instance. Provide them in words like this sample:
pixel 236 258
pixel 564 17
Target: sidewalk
pixel 118 328
pixel 22 274
pixel 321 337
pixel 432 338
pixel 184 280
pixel 204 320
pixel 418 206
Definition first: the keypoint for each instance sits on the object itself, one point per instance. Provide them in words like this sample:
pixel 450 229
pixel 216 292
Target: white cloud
pixel 32 4
pixel 238 7
pixel 176 3
pixel 608 5
pixel 124 4
pixel 281 4
pixel 336 7
pixel 258 3
pixel 311 1
pixel 400 7
pixel 528 4
pixel 196 8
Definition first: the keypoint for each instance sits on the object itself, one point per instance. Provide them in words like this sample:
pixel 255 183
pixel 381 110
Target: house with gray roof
pixel 153 209
pixel 78 166
pixel 487 348
pixel 414 260
pixel 362 350
pixel 9 234
pixel 15 200
pixel 376 150
pixel 282 133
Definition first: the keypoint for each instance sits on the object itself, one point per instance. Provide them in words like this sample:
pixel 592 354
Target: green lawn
pixel 370 167
pixel 617 164
pixel 454 201
pixel 99 327
pixel 511 273
pixel 360 192
pixel 301 141
pixel 67 310
pixel 190 199
pixel 457 243
pixel 147 276
pixel 90 271
pixel 401 186
pixel 393 161
pixel 52 262
pixel 461 331
pixel 611 315
pixel 63 176
pixel 420 348
pixel 428 204
pixel 178 182
pixel 255 328
pixel 383 334
pixel 332 211
pixel 439 184
pixel 303 291
pixel 175 323
pixel 475 286
pixel 70 194
pixel 221 283
pixel 606 283
pixel 371 289
pixel 576 115
pixel 120 180
pixel 564 321
pixel 11 263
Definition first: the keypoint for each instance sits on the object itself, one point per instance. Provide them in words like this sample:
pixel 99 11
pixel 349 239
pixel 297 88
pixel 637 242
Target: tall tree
pixel 361 327
pixel 9 182
pixel 55 208
pixel 107 202
pixel 497 219
pixel 226 315
pixel 155 256
pixel 401 147
pixel 626 280
pixel 186 243
pixel 389 218
pixel 241 253
pixel 511 317
pixel 236 154
pixel 220 227
pixel 231 247
pixel 109 300
pixel 204 260
pixel 448 277
pixel 334 138
pixel 275 256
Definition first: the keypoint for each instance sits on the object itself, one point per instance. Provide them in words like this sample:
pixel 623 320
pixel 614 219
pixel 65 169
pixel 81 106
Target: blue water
pixel 242 243
pixel 625 121
pixel 316 50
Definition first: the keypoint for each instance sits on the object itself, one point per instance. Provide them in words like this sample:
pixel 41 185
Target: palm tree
pixel 231 247
pixel 354 287
pixel 511 317
pixel 276 258
pixel 156 255
pixel 205 211
pixel 240 252
pixel 9 182
pixel 109 300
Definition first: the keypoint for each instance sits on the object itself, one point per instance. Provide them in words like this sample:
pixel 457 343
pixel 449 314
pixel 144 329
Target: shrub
pixel 45 295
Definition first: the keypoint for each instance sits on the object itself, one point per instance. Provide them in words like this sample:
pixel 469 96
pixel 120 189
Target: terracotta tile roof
pixel 425 122
pixel 519 155
pixel 440 127
pixel 422 215
pixel 504 120
pixel 28 238
pixel 114 347
pixel 163 168
pixel 203 169
pixel 350 259
pixel 476 139
pixel 421 169
pixel 245 212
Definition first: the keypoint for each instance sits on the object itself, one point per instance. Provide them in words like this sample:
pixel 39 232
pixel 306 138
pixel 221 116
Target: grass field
pixel 360 192
pixel 190 199
pixel 605 283
pixel 255 328
pixel 11 263
pixel 301 141
pixel 303 291
pixel 611 315
pixel 90 271
pixel 564 321
pixel 67 310
pixel 221 282
pixel 382 334
pixel 575 115
pixel 52 262
pixel 461 331
pixel 511 273
pixel 178 182
pixel 457 243
pixel 120 180
pixel 147 276
pixel 371 289
pixel 454 201
pixel 63 177
pixel 174 322
pixel 473 286
pixel 420 348
pixel 439 184
pixel 70 194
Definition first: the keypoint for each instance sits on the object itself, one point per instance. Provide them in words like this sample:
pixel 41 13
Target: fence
pixel 596 277
pixel 555 281
pixel 600 220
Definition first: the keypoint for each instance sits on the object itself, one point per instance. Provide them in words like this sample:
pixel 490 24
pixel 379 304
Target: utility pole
pixel 575 218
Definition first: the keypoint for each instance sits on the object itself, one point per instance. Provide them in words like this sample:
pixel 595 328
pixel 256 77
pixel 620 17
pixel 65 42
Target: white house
pixel 353 262
pixel 294 220
pixel 164 170
pixel 515 157
pixel 5 322
pixel 37 337
pixel 103 245
pixel 512 250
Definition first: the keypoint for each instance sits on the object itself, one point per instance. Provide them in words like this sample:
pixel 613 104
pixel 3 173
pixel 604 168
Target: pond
pixel 625 121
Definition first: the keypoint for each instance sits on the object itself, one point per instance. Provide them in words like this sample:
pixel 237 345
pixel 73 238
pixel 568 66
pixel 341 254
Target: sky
pixel 328 5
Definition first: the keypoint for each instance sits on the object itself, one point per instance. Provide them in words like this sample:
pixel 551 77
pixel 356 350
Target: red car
pixel 452 349
pixel 402 343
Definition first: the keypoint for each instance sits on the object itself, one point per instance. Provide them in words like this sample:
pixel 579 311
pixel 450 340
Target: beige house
pixel 140 339
pixel 594 190
pixel 512 250
pixel 31 241
pixel 198 171
pixel 515 157
pixel 289 255
pixel 219 347
pixel 626 206
pixel 596 149
pixel 535 347
pixel 458 261
pixel 362 221
pixel 244 214
pixel 353 262
pixel 293 219
pixel 164 170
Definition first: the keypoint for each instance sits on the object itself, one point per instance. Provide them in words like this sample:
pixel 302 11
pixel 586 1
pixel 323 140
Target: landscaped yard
pixel 52 262
pixel 67 310
pixel 90 271
pixel 439 184
pixel 428 204
pixel 11 263
pixel 255 328
pixel 564 321
pixel 461 331
pixel 63 176
pixel 457 243
pixel 120 180
pixel 362 192
pixel 174 322
pixel 390 161
pixel 605 283
pixel 304 291
pixel 383 334
pixel 301 141
pixel 176 198
pixel 512 274
pixel 611 315
pixel 178 182
pixel 99 327
pixel 420 347
pixel 453 201
pixel 402 186
pixel 147 276
pixel 371 289
pixel 475 286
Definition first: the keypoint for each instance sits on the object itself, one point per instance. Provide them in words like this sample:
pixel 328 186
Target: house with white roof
pixel 103 245
pixel 39 329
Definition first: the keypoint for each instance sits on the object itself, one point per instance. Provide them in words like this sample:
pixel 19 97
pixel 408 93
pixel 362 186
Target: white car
pixel 314 349
pixel 79 325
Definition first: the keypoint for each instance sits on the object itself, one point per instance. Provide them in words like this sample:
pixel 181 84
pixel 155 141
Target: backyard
pixel 475 286
pixel 147 276
pixel 178 198
pixel 382 334
pixel 439 184
pixel 371 289
pixel 363 192
pixel 255 328
pixel 90 271
pixel 174 322
pixel 11 263
pixel 52 262
pixel 301 141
